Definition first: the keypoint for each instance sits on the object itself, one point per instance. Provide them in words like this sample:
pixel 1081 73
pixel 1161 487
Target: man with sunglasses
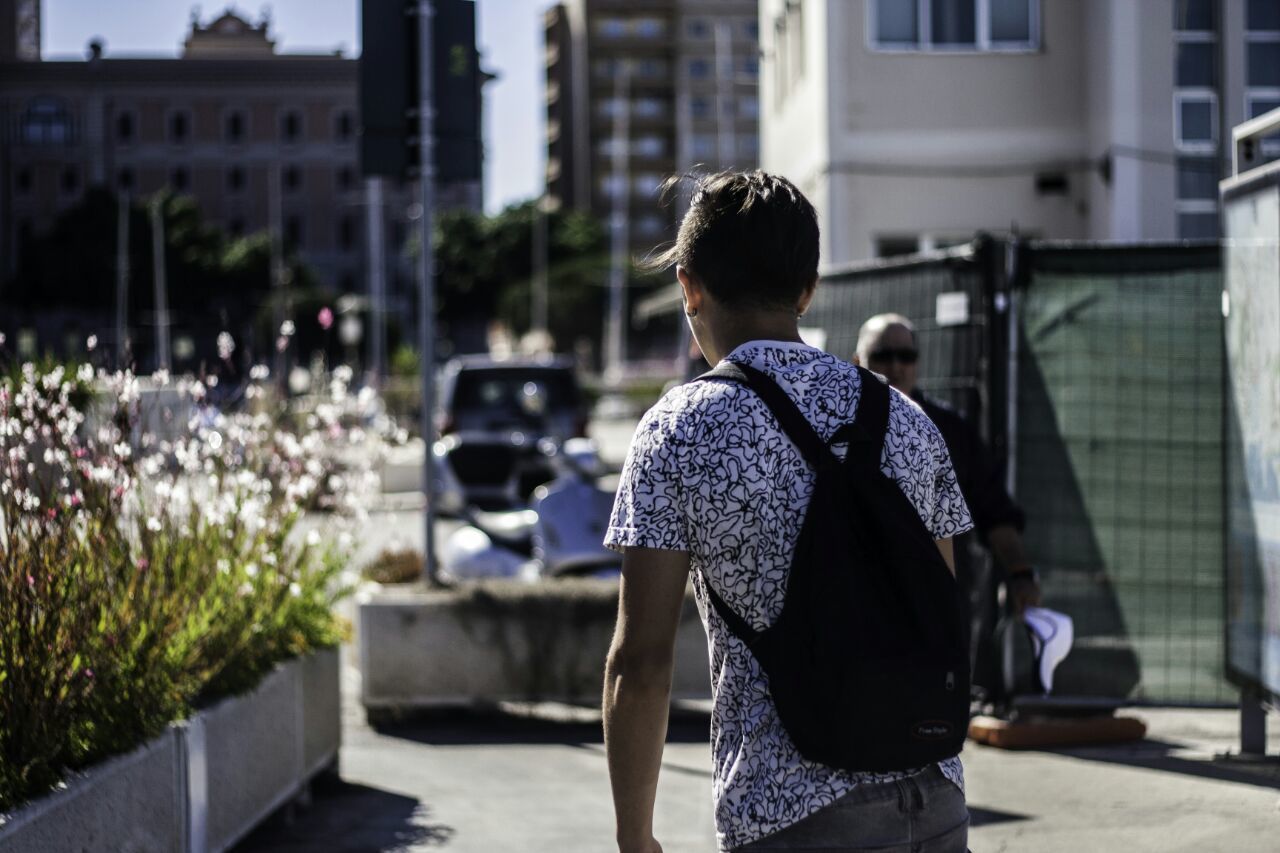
pixel 887 345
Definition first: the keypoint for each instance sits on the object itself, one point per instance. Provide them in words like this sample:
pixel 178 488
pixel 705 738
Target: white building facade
pixel 914 124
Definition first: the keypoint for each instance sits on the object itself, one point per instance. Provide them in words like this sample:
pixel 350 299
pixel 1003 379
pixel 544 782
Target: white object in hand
pixel 1051 634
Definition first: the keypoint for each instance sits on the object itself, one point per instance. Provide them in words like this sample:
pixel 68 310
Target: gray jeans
pixel 924 813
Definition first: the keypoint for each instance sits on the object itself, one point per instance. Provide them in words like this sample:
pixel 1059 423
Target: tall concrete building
pixel 19 30
pixel 666 85
pixel 912 124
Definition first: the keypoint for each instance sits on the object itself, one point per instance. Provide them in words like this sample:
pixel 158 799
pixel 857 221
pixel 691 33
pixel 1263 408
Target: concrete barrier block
pixel 503 641
pixel 134 803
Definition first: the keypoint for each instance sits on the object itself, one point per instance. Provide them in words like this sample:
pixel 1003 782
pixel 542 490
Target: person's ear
pixel 805 298
pixel 692 290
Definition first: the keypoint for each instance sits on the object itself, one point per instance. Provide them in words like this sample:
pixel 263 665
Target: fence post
pixel 1253 725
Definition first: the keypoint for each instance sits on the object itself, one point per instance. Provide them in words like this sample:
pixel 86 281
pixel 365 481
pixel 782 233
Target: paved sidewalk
pixel 469 783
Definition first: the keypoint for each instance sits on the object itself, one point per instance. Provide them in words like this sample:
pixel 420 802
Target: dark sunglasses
pixel 904 355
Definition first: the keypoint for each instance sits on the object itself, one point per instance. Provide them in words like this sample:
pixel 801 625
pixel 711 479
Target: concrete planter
pixel 132 802
pixel 497 641
pixel 204 784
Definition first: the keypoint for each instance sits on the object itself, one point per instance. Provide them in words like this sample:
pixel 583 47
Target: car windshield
pixel 526 392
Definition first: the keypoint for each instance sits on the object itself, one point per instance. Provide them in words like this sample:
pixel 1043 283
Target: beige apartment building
pixel 913 124
pixel 674 82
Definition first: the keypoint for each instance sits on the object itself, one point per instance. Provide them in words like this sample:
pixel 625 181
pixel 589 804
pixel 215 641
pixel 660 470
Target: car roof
pixel 486 362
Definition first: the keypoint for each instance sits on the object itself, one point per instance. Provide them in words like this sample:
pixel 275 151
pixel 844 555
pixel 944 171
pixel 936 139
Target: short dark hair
pixel 751 238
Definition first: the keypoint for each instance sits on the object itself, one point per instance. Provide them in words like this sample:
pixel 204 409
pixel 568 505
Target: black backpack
pixel 867 663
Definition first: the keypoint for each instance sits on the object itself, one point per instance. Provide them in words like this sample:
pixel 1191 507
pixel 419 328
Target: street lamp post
pixel 426 284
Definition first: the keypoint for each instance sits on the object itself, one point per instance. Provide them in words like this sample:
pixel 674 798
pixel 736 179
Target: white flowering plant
pixel 144 573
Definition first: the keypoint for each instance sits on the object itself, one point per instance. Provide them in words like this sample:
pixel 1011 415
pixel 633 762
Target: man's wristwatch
pixel 1024 573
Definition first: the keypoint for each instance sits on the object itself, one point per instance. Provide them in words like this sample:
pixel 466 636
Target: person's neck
pixel 767 327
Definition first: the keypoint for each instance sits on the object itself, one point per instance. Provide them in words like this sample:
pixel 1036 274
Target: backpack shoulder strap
pixel 793 423
pixel 866 434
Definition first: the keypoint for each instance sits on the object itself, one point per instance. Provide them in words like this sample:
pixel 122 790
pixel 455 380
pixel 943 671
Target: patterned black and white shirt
pixel 710 472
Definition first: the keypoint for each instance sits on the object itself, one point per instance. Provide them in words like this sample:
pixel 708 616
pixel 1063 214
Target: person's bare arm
pixel 947 549
pixel 1006 545
pixel 637 687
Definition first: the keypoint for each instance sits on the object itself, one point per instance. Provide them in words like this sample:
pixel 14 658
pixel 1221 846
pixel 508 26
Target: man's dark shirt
pixel 980 475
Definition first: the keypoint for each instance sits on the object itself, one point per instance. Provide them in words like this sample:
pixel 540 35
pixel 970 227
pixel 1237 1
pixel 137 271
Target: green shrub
pixel 404 566
pixel 140 579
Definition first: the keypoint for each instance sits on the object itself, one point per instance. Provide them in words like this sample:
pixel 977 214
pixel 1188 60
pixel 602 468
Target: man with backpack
pixel 813 507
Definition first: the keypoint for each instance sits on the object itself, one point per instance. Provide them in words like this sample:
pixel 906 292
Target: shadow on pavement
pixel 986 817
pixel 471 727
pixel 346 818
pixel 1152 754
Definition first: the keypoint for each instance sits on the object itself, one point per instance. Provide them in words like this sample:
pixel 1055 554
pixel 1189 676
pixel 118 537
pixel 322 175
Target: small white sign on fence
pixel 952 309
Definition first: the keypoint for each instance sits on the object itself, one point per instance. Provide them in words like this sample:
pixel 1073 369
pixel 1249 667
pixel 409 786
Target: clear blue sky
pixel 510 36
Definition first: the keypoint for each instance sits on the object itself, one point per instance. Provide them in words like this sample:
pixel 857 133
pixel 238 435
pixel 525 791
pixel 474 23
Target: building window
pixel 1195 120
pixel 893 247
pixel 1197 179
pixel 645 184
pixel 46 122
pixel 1196 64
pixel 1263 15
pixel 346 233
pixel 749 106
pixel 180 179
pixel 702 146
pixel 699 69
pixel 346 178
pixel 1256 105
pixel 235 179
pixel 235 128
pixel 954 22
pixel 649 146
pixel 1263 62
pixel 651 68
pixel 697 28
pixel 611 28
pixel 969 25
pixel 291 127
pixel 700 106
pixel 648 28
pixel 1194 16
pixel 125 179
pixel 749 66
pixel 345 126
pixel 124 128
pixel 609 107
pixel 70 180
pixel 751 30
pixel 179 128
pixel 22 181
pixel 648 108
pixel 292 179
pixel 293 231
pixel 749 148
pixel 612 186
pixel 1198 225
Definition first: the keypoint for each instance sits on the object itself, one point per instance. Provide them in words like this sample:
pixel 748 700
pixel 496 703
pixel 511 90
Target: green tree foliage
pixel 485 269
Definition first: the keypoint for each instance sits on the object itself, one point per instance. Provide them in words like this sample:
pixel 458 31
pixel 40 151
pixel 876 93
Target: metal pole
pixel 377 281
pixel 615 329
pixel 426 284
pixel 161 288
pixel 724 135
pixel 276 216
pixel 538 310
pixel 1012 274
pixel 122 279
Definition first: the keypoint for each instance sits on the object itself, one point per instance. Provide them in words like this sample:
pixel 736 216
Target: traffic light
pixel 390 90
